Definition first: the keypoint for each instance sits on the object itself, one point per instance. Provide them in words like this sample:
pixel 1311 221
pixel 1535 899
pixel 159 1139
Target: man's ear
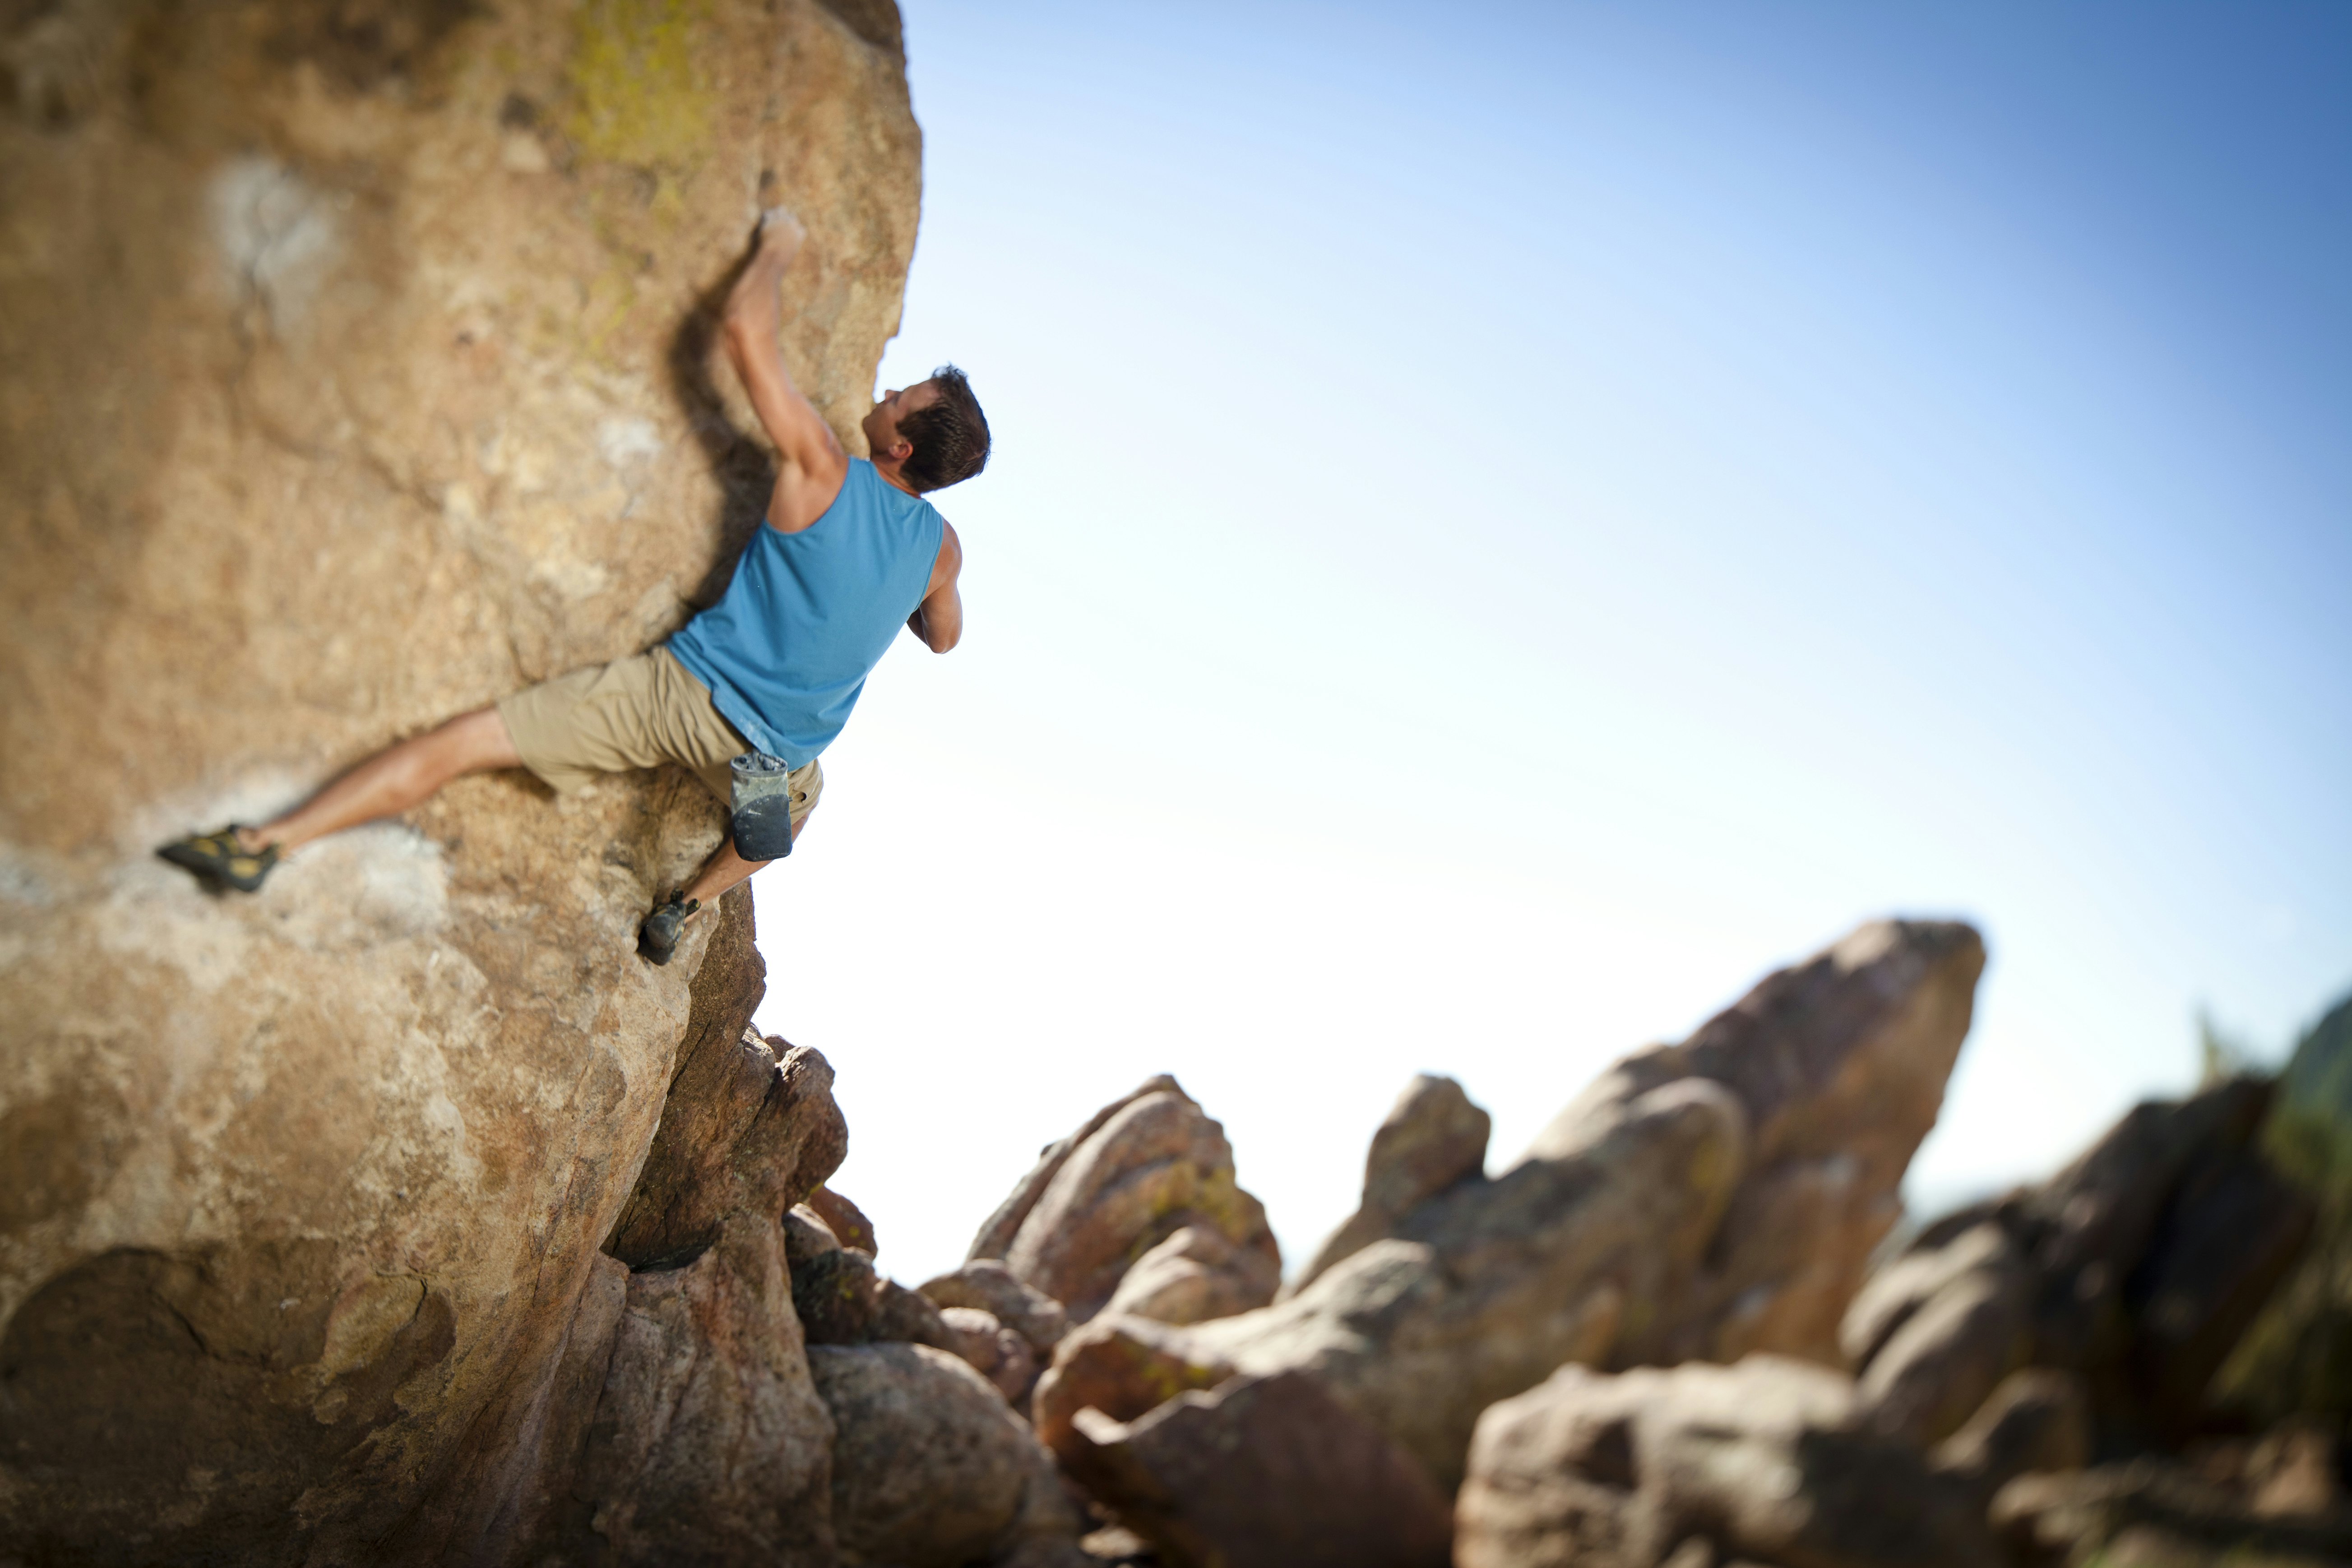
pixel 901 450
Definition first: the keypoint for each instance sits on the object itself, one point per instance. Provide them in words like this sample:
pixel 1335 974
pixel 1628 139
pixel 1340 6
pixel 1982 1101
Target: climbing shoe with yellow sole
pixel 657 938
pixel 219 858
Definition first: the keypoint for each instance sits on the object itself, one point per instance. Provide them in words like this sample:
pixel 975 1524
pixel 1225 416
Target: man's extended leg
pixel 393 780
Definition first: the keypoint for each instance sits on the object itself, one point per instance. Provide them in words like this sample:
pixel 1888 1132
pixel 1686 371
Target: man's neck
pixel 889 472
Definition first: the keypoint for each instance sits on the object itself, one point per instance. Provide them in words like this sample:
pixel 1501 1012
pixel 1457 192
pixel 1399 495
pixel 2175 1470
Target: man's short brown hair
pixel 950 438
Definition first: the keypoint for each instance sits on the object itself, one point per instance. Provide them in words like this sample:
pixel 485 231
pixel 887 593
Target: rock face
pixel 930 1469
pixel 2138 1266
pixel 993 1350
pixel 2159 1513
pixel 1267 1473
pixel 1142 1171
pixel 374 386
pixel 1434 1137
pixel 1195 1275
pixel 844 1219
pixel 1838 1065
pixel 842 1300
pixel 709 1443
pixel 985 1283
pixel 1756 1461
pixel 1718 1195
pixel 739 1138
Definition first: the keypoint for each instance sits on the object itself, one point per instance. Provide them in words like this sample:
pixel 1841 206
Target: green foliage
pixel 2297 1358
pixel 2220 1056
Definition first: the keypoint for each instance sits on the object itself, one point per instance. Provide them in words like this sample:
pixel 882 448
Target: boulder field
pixel 358 370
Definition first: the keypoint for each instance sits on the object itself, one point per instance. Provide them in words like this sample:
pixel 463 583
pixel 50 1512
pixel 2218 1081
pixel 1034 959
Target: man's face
pixel 881 423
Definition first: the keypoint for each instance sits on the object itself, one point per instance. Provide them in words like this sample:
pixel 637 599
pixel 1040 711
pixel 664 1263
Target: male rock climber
pixel 747 694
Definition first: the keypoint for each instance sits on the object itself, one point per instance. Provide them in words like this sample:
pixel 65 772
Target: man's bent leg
pixel 393 780
pixel 657 936
pixel 721 871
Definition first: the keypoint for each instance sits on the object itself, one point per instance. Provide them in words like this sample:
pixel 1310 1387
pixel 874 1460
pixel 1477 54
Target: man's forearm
pixel 751 323
pixel 754 316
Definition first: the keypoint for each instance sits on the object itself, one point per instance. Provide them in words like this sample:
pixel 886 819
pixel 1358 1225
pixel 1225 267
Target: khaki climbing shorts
pixel 635 712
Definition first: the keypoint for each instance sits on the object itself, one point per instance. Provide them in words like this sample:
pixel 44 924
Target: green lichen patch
pixel 637 95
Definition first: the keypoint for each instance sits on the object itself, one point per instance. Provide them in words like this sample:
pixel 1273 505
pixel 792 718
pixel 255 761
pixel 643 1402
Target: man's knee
pixel 477 742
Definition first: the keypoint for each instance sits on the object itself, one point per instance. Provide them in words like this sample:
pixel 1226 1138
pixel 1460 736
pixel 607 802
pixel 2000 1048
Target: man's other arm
pixel 809 462
pixel 939 619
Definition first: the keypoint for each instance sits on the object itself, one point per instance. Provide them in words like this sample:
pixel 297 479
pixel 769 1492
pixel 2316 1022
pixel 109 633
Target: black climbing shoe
pixel 220 859
pixel 657 938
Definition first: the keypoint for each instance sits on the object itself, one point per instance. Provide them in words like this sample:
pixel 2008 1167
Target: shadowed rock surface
pixel 1759 1461
pixel 806 1236
pixel 1265 1473
pixel 2155 1513
pixel 2138 1266
pixel 742 1134
pixel 370 344
pixel 709 1443
pixel 929 1468
pixel 2036 1420
pixel 843 1301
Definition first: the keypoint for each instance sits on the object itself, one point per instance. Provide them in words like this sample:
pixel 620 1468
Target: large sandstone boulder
pixel 1702 1199
pixel 1760 1461
pixel 2138 1268
pixel 1142 1171
pixel 356 374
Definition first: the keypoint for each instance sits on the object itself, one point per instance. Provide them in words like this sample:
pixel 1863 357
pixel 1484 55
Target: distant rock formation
pixel 1144 1191
pixel 1718 1196
pixel 2137 1267
pixel 1433 1138
pixel 1763 1461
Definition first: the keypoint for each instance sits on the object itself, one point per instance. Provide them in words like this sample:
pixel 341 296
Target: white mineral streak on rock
pixel 278 236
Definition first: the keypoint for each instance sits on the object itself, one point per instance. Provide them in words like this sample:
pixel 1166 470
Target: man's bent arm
pixel 939 619
pixel 811 464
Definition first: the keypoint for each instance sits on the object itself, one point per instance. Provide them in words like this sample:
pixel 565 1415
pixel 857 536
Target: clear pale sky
pixel 1509 524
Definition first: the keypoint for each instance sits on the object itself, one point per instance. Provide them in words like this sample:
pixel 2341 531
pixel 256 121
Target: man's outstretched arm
pixel 809 462
pixel 939 619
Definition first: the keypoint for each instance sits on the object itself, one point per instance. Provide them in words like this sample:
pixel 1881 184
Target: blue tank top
pixel 809 614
